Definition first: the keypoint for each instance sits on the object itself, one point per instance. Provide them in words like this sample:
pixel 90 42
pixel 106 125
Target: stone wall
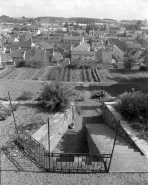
pixel 58 126
pixel 114 119
pixel 93 149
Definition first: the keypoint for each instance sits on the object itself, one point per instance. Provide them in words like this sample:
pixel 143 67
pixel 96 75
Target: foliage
pixel 4 112
pixel 26 95
pixel 139 24
pixel 133 105
pixel 56 96
pixel 33 62
pixel 128 63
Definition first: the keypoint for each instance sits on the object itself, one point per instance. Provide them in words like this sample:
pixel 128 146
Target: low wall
pixel 93 149
pixel 58 126
pixel 111 118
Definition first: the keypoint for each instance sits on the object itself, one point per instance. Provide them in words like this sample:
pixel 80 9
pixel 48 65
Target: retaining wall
pixel 58 126
pixel 111 118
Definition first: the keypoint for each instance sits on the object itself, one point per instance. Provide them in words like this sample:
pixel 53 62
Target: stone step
pixel 125 157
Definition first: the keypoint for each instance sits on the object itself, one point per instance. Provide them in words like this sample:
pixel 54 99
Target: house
pixel 73 40
pixel 135 54
pixel 144 44
pixel 43 45
pixel 96 42
pixel 82 55
pixel 67 48
pixel 55 41
pixel 82 47
pixel 5 59
pixel 70 28
pixel 17 56
pixel 57 57
pixel 119 50
pixel 100 34
pixel 133 45
pixel 9 47
pixel 103 56
pixel 114 29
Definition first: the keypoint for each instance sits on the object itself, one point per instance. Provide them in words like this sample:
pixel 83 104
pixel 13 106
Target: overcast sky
pixel 114 9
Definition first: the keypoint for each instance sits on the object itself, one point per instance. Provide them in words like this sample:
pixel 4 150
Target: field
pixel 56 73
pixel 128 76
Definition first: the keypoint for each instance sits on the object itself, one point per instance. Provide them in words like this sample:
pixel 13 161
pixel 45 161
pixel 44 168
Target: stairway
pixel 125 157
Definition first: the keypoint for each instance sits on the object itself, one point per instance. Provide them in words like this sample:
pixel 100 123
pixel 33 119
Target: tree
pixel 87 29
pixel 128 63
pixel 139 24
pixel 104 27
pixel 124 34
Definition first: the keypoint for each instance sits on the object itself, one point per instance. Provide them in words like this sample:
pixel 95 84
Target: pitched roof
pixel 72 38
pixel 82 47
pixel 89 53
pixel 16 54
pixel 113 28
pixel 24 44
pixel 55 59
pixel 120 45
pixel 45 45
pixel 54 40
pixel 11 46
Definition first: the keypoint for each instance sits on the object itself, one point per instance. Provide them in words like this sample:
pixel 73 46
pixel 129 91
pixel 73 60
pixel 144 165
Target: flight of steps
pixel 19 160
pixel 125 157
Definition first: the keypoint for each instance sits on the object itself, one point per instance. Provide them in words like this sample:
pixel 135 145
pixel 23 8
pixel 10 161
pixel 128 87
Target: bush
pixel 133 105
pixel 26 95
pixel 4 112
pixel 33 63
pixel 56 96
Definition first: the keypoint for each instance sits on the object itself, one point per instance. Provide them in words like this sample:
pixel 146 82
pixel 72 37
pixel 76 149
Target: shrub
pixel 34 63
pixel 26 95
pixel 133 105
pixel 56 96
pixel 4 112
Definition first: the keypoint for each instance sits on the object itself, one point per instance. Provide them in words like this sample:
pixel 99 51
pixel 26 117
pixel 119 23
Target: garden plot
pixel 45 73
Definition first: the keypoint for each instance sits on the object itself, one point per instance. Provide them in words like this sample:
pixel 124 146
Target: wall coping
pixel 134 135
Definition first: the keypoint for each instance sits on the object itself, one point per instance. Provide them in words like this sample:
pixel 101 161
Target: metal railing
pixel 60 162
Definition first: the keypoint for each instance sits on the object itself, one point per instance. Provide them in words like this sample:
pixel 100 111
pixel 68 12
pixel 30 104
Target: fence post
pixel 49 142
pixel 13 113
pixel 114 145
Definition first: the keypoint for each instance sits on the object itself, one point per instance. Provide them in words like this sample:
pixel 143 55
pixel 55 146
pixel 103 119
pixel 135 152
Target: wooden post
pixel 114 145
pixel 49 142
pixel 13 113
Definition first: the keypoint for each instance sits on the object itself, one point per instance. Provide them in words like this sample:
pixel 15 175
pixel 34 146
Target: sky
pixel 113 9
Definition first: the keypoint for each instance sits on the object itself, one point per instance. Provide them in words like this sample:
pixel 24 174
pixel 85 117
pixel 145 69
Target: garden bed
pixel 112 117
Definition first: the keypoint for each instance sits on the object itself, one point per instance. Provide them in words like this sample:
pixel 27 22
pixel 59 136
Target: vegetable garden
pixel 84 74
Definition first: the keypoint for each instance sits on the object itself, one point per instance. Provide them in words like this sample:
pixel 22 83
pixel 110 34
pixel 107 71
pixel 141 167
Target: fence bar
pixel 49 142
pixel 114 145
pixel 13 113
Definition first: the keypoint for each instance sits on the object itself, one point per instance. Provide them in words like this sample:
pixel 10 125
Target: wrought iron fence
pixel 59 162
